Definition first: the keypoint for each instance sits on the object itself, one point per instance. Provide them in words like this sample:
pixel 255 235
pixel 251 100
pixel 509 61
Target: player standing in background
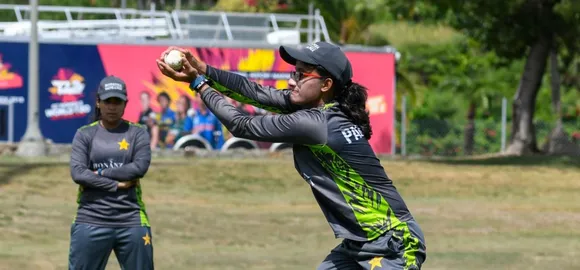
pixel 324 116
pixel 108 158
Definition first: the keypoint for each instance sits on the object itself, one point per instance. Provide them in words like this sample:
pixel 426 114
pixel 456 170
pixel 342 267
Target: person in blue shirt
pixel 164 120
pixel 183 124
pixel 206 125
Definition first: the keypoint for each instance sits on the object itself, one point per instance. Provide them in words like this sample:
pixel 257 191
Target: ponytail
pixel 352 102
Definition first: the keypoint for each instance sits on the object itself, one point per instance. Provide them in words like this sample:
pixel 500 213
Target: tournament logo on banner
pixel 8 80
pixel 68 91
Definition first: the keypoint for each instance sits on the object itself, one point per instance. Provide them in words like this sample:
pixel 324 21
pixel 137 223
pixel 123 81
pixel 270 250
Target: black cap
pixel 324 54
pixel 112 86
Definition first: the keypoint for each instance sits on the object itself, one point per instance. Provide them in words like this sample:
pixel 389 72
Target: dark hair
pixel 351 99
pixel 97 115
pixel 187 102
pixel 165 95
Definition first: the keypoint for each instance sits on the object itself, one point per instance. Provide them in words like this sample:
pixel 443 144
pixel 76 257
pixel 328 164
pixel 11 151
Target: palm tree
pixel 479 82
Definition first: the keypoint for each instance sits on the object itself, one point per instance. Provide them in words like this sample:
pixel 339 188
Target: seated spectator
pixel 183 122
pixel 206 125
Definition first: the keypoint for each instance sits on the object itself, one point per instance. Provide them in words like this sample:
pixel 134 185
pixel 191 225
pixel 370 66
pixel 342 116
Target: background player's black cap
pixel 112 86
pixel 324 54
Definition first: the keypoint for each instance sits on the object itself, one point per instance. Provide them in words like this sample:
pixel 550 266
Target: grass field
pixel 259 214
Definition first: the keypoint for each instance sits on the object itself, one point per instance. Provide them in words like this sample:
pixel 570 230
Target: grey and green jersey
pixel 349 183
pixel 121 154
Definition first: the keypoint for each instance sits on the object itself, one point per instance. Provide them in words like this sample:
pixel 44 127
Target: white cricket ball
pixel 173 59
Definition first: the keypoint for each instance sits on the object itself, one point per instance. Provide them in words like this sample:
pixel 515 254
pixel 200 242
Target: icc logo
pixel 67 86
pixel 68 90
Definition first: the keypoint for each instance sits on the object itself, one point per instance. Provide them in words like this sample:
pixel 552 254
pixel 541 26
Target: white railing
pixel 274 28
pixel 116 23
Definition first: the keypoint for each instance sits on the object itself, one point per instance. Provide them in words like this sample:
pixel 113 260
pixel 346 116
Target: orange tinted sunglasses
pixel 298 76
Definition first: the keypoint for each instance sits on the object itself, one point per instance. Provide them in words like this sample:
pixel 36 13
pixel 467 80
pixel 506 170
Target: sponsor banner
pixel 264 66
pixel 13 87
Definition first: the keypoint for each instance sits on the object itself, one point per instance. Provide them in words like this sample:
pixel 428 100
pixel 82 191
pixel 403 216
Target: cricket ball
pixel 173 59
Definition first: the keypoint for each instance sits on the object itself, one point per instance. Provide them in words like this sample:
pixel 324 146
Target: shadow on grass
pixel 552 161
pixel 11 170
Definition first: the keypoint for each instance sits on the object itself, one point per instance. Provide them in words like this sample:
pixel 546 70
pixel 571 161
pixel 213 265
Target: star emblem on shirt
pixel 376 262
pixel 123 145
pixel 147 239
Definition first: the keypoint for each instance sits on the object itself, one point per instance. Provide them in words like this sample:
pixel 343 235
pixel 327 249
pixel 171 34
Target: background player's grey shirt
pixel 123 154
pixel 355 194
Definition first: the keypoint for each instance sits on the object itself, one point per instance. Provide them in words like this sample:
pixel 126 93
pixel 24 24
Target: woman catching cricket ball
pixel 323 115
pixel 108 158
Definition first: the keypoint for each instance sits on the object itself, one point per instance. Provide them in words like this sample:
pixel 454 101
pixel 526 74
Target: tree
pixel 558 141
pixel 262 6
pixel 516 29
pixel 347 21
pixel 473 76
pixel 477 80
pixel 564 51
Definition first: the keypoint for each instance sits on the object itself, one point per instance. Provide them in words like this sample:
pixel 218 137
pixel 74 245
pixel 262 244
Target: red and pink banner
pixel 136 65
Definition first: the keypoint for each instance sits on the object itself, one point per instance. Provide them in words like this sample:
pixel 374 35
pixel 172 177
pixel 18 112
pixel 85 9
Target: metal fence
pixel 441 137
pixel 77 22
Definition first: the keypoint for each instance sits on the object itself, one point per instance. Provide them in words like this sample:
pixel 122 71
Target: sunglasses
pixel 299 76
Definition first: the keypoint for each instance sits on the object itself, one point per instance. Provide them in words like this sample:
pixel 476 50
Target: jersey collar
pixel 329 105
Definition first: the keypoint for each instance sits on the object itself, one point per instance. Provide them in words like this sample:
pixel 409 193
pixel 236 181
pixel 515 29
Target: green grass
pixel 400 34
pixel 538 160
pixel 259 214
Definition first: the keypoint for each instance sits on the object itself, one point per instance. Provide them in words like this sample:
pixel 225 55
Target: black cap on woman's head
pixel 112 86
pixel 324 54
